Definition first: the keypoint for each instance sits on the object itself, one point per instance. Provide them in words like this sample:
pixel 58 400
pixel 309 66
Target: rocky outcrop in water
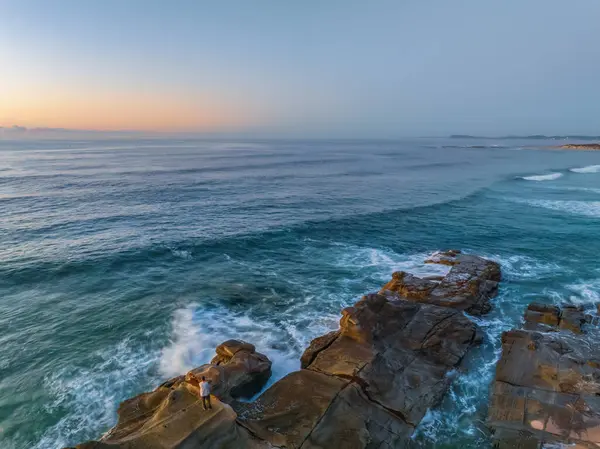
pixel 172 417
pixel 237 371
pixel 547 388
pixel 581 146
pixel 365 386
pixel 469 286
pixel 368 384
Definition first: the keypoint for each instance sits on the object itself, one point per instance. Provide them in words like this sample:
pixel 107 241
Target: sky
pixel 326 68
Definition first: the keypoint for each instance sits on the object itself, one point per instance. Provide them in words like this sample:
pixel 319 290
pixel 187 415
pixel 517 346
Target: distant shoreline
pixel 530 137
pixel 581 146
pixel 592 146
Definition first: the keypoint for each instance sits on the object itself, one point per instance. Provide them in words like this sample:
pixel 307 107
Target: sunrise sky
pixel 339 67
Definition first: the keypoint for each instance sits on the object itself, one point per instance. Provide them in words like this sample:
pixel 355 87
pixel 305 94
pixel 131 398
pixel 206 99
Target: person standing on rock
pixel 205 393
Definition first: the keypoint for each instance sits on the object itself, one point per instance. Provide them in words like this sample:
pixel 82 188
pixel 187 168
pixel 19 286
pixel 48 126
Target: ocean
pixel 124 263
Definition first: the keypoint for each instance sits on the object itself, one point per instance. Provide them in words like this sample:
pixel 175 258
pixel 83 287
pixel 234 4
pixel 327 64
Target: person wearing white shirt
pixel 205 393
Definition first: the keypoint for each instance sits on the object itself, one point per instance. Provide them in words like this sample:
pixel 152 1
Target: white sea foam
pixel 520 267
pixel 187 346
pixel 91 395
pixel 586 293
pixel 582 189
pixel 586 208
pixel 385 262
pixel 182 253
pixel 588 169
pixel 548 177
pixel 197 331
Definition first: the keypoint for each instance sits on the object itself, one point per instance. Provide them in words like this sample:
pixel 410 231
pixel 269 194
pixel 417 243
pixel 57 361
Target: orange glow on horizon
pixel 117 111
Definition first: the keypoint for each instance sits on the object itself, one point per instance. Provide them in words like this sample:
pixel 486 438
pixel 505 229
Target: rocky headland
pixel 581 146
pixel 366 385
pixel 369 384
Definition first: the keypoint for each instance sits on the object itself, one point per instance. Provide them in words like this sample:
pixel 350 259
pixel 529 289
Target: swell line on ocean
pixel 570 207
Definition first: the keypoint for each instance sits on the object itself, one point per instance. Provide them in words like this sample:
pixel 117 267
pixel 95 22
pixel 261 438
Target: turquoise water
pixel 125 262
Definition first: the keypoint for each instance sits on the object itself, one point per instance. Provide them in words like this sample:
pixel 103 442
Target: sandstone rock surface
pixel 237 371
pixel 368 384
pixel 547 388
pixel 178 421
pixel 172 417
pixel 469 286
pixel 399 351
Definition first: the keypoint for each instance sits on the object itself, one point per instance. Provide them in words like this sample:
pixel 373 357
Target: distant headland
pixel 569 146
pixel 581 146
pixel 531 137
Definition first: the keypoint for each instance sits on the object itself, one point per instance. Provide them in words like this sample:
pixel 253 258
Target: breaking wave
pixel 91 396
pixel 519 267
pixel 588 169
pixel 314 310
pixel 586 293
pixel 548 177
pixel 197 332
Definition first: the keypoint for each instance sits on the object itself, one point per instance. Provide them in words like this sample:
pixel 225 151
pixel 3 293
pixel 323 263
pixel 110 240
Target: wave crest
pixel 197 330
pixel 548 177
pixel 588 169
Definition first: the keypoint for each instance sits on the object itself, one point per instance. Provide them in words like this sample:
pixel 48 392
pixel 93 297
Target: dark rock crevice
pixel 324 414
pixel 364 386
pixel 316 346
pixel 435 328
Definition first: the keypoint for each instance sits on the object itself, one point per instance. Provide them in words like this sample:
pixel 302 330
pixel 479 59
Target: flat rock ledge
pixel 365 386
pixel 547 388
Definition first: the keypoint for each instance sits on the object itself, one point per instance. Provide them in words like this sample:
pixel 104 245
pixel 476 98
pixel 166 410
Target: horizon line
pixel 19 129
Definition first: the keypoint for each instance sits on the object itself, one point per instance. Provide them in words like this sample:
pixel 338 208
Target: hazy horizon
pixel 386 69
pixel 16 133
